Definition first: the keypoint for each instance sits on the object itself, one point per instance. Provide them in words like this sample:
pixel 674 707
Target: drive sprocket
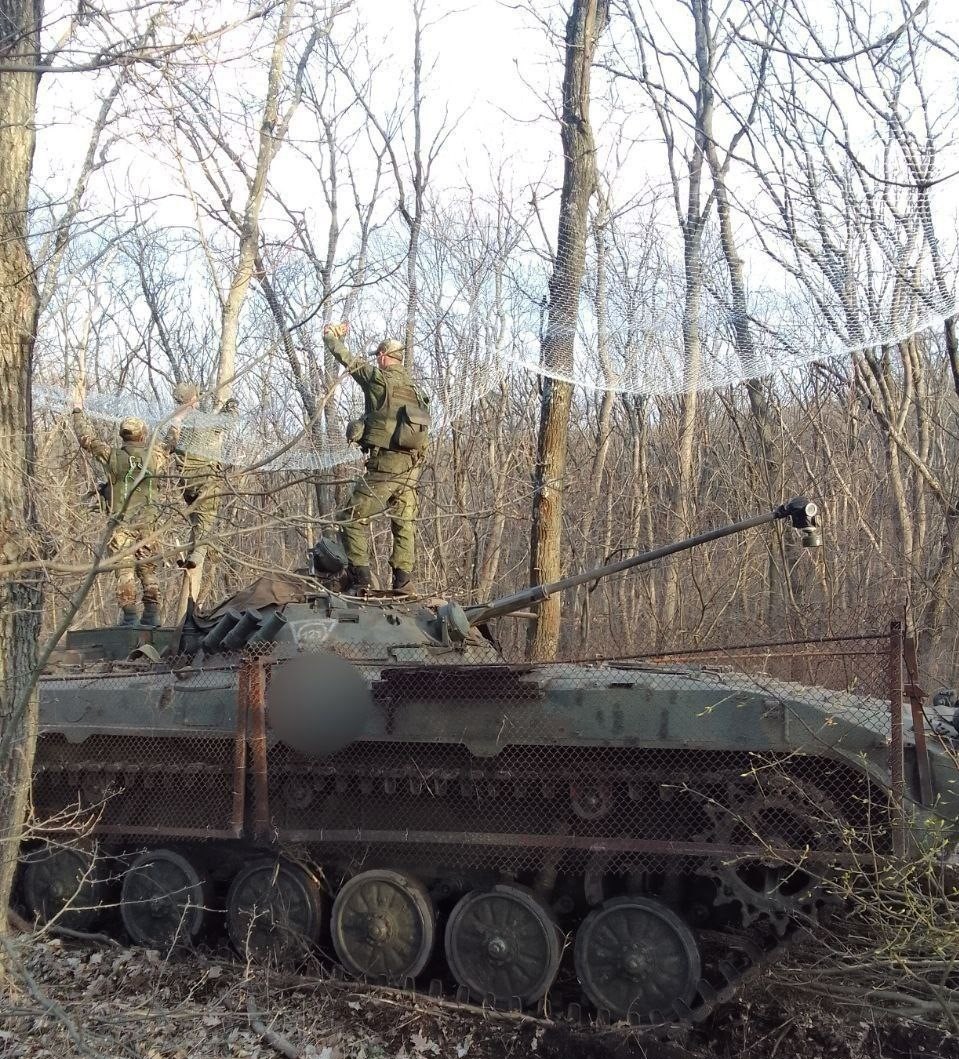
pixel 789 826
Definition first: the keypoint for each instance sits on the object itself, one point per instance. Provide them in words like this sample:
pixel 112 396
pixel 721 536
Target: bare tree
pixel 586 23
pixel 855 229
pixel 20 598
pixel 273 128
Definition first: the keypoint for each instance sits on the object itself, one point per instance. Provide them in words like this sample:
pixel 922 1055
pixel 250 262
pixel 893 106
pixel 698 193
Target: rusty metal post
pixel 256 707
pixel 239 752
pixel 896 759
pixel 915 695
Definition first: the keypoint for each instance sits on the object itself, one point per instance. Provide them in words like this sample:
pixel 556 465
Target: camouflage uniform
pixel 196 449
pixel 132 503
pixel 392 473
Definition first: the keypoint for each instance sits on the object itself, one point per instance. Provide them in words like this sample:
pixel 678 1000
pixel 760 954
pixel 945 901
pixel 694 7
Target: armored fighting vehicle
pixel 365 782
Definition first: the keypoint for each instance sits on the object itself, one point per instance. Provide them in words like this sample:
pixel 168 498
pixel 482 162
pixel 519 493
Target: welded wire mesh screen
pixel 566 767
pixel 550 806
pixel 856 664
pixel 142 749
pixel 604 766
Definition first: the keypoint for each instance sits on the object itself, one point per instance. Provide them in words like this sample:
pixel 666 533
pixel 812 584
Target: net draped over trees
pixel 765 307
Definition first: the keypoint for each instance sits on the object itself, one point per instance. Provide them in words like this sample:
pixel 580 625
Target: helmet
pixel 184 392
pixel 327 557
pixel 133 429
pixel 389 347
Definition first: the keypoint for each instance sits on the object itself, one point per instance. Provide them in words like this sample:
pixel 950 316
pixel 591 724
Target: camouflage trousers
pixel 200 493
pixel 389 485
pixel 138 565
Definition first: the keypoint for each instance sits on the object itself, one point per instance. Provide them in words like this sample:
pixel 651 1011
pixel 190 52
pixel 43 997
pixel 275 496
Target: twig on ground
pixel 82 935
pixel 22 926
pixel 51 1007
pixel 423 1004
pixel 275 1040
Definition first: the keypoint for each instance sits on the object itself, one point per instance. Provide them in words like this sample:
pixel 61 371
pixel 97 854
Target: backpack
pixel 403 422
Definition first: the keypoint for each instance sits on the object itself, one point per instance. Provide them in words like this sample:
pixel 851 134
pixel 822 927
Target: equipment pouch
pixel 354 430
pixel 327 558
pixel 412 428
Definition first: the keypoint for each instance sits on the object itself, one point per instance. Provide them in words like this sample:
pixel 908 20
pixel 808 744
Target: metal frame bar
pixel 132 830
pixel 897 771
pixel 589 843
pixel 915 695
pixel 255 683
pixel 239 758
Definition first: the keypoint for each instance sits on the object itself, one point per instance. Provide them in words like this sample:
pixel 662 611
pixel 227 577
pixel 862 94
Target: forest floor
pixel 109 1002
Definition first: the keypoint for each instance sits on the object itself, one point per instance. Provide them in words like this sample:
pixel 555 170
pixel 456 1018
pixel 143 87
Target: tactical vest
pixel 127 491
pixel 402 423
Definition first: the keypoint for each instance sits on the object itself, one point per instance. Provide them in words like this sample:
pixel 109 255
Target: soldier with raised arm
pixel 132 502
pixel 393 433
pixel 195 440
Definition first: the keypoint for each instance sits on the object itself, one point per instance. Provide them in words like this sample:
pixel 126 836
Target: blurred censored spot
pixel 317 703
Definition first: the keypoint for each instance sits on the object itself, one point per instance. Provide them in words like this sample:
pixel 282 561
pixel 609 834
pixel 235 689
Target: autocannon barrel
pixel 802 514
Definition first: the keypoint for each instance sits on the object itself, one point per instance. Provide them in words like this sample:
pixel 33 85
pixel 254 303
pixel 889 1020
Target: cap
pixel 132 429
pixel 391 348
pixel 184 392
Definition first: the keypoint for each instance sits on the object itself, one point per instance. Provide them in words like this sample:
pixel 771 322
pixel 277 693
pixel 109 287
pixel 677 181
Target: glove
pixel 336 330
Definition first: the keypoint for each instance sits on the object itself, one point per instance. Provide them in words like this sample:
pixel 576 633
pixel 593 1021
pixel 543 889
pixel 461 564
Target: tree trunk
pixel 604 422
pixel 597 471
pixel 415 220
pixel 250 229
pixel 693 223
pixel 271 135
pixel 586 22
pixel 20 600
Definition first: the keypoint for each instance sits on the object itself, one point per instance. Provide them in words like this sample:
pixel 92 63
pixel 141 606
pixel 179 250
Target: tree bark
pixel 272 131
pixel 415 220
pixel 20 599
pixel 270 138
pixel 692 223
pixel 597 471
pixel 761 401
pixel 586 23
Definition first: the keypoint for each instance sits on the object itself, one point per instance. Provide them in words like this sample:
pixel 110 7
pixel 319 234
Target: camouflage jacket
pixel 396 415
pixel 131 470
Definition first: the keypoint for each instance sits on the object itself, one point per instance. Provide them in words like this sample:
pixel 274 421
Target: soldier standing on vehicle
pixel 393 434
pixel 130 497
pixel 196 439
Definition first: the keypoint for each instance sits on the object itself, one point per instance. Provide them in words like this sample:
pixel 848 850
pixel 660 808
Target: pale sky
pixel 488 64
pixel 491 66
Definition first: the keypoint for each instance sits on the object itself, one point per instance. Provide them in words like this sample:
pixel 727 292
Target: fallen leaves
pixel 423 1046
pixel 140 1004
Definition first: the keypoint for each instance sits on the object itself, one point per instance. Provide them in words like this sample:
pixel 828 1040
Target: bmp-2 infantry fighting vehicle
pixel 366 780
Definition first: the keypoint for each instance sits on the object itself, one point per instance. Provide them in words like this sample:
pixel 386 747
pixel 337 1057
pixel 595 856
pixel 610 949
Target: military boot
pixel 402 581
pixel 358 579
pixel 151 614
pixel 131 615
